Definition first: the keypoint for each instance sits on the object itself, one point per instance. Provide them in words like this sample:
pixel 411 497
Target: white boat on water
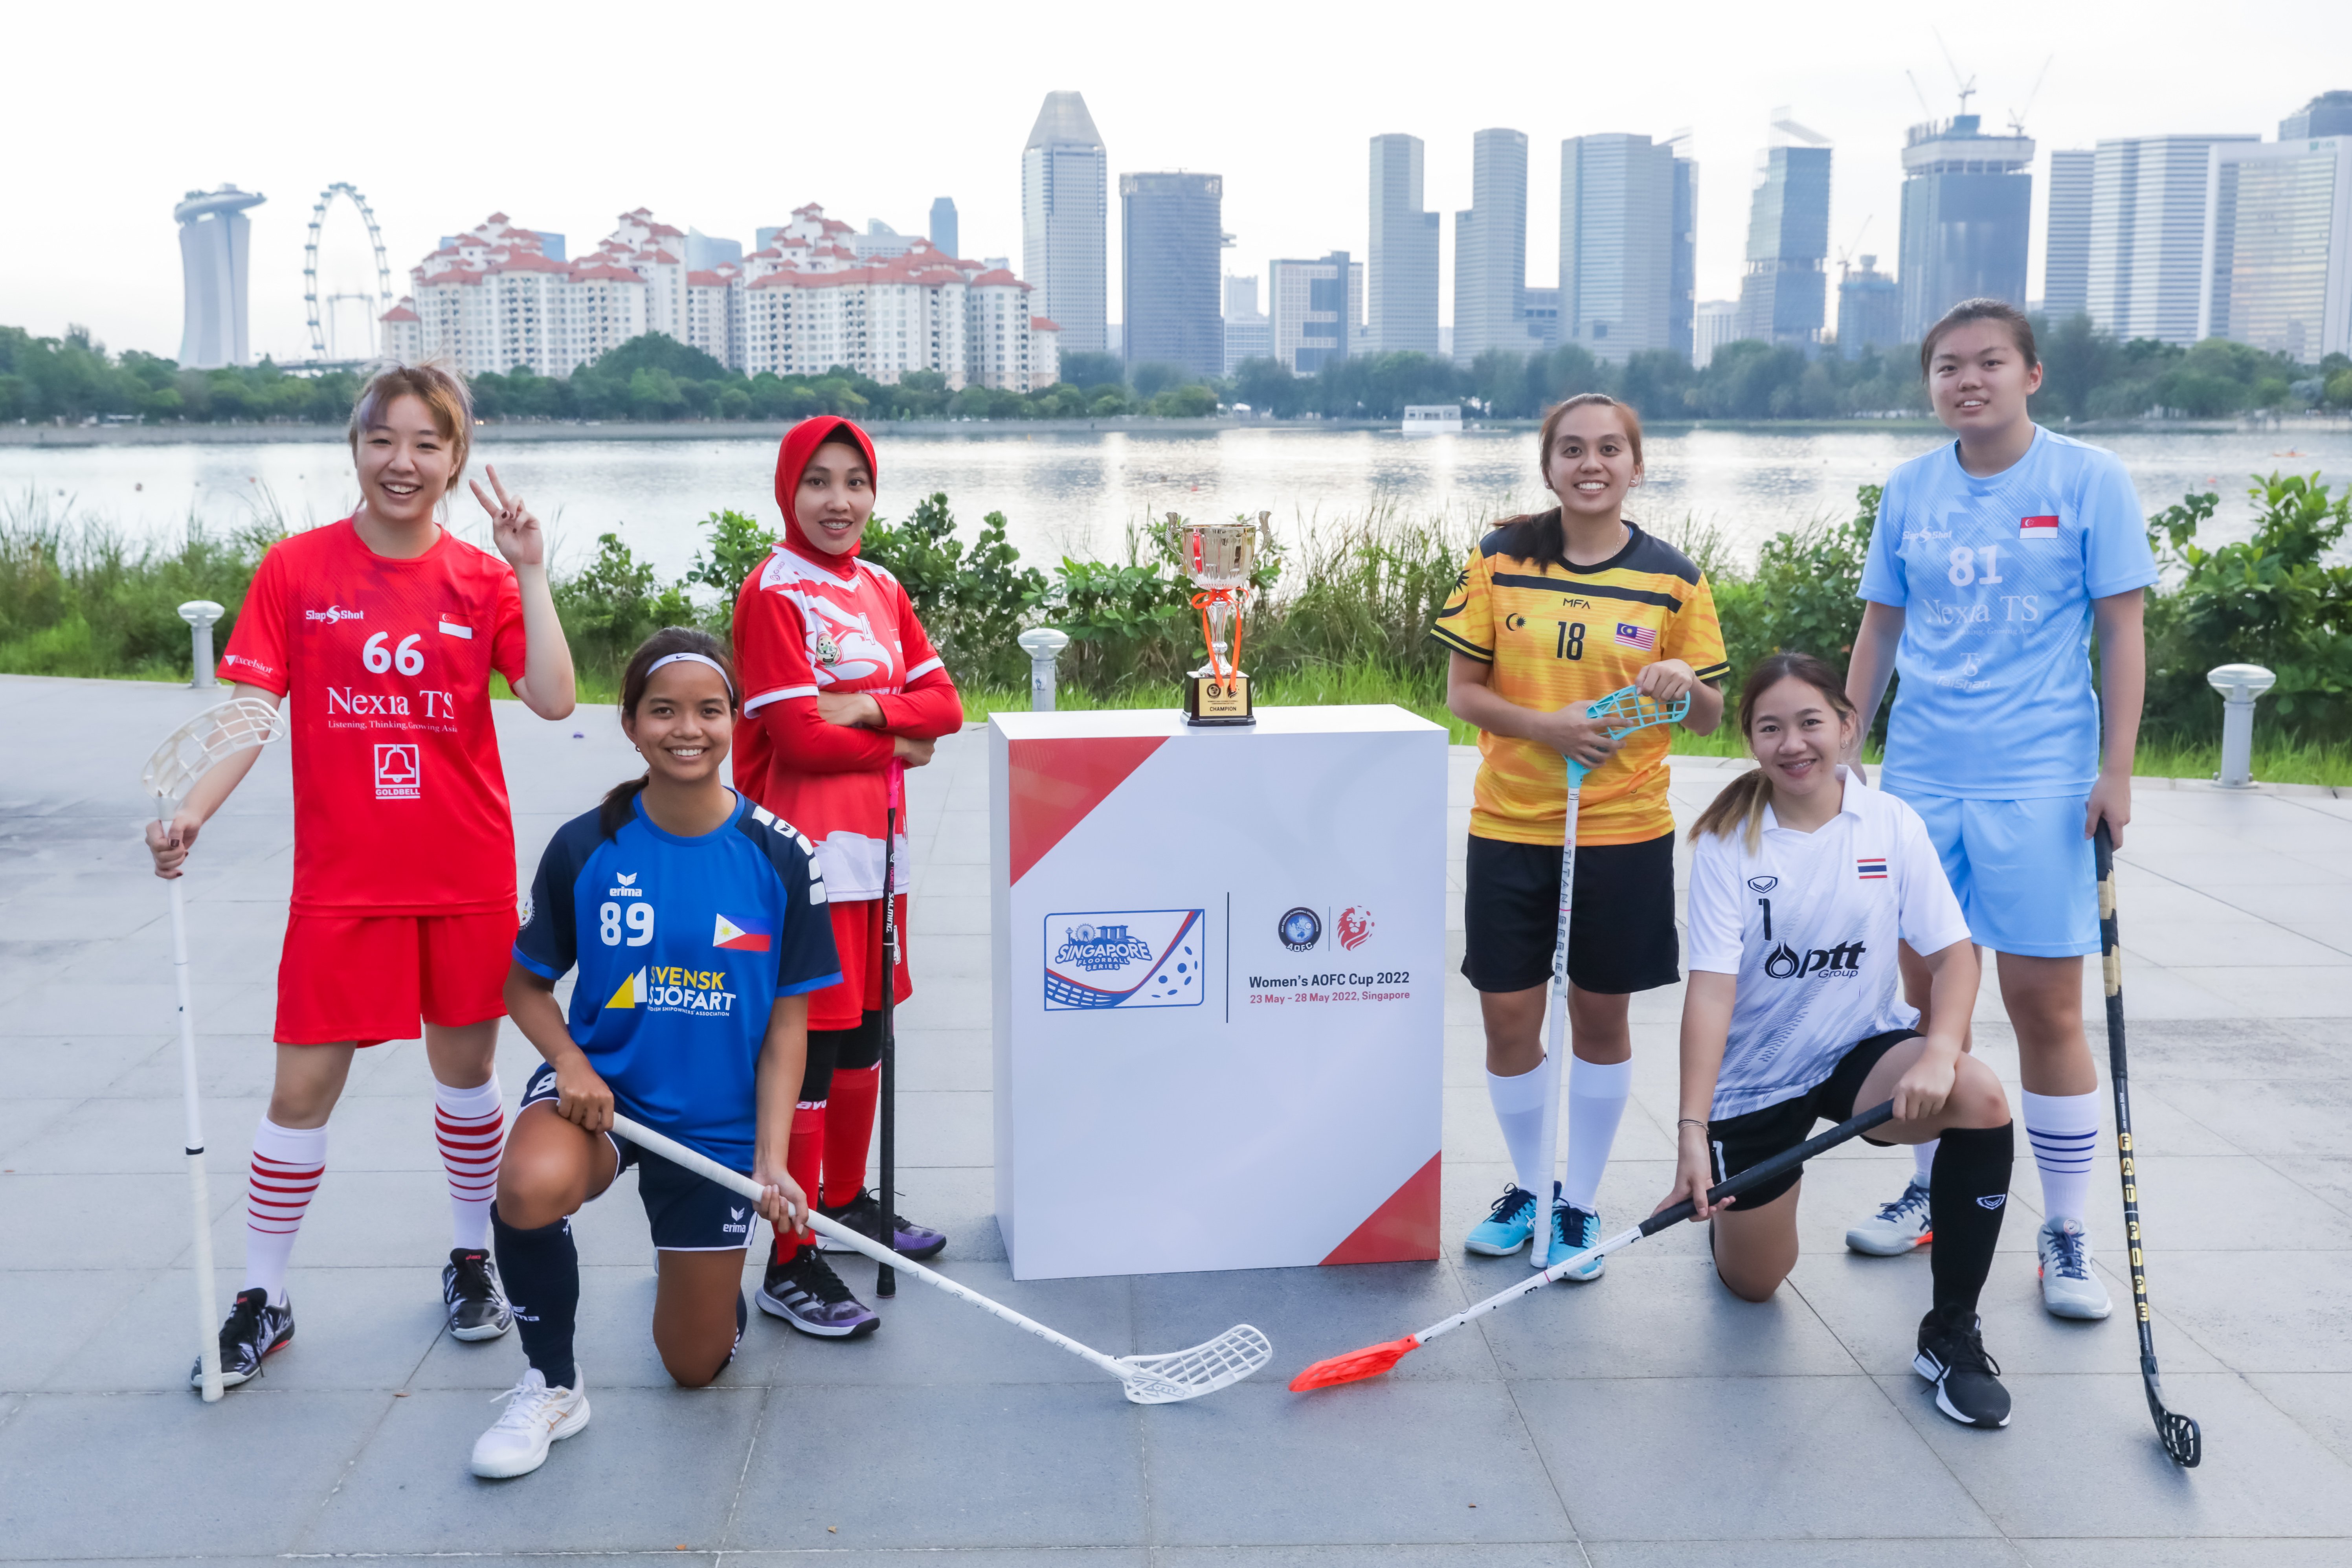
pixel 1432 419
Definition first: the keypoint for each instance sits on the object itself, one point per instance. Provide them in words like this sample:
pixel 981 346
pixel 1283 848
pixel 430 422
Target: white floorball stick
pixel 1149 1379
pixel 1625 710
pixel 193 750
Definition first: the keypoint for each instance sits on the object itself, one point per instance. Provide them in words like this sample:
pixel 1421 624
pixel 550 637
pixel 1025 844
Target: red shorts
pixel 857 938
pixel 369 978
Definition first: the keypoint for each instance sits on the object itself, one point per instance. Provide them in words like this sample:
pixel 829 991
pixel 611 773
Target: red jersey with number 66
pixel 400 804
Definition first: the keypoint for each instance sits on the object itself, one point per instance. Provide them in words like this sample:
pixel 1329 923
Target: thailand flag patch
pixel 2036 528
pixel 1643 637
pixel 1871 867
pixel 742 935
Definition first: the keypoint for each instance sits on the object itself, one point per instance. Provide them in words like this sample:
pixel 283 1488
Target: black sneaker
pixel 807 1293
pixel 254 1328
pixel 863 1214
pixel 1967 1382
pixel 469 1288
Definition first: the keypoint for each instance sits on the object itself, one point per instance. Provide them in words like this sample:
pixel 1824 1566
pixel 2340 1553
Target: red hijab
pixel 800 445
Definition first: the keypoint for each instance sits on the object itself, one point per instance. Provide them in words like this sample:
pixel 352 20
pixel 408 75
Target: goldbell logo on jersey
pixel 399 771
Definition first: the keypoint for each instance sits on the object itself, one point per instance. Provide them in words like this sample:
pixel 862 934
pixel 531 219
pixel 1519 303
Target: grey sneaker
pixel 470 1289
pixel 1896 1227
pixel 2069 1289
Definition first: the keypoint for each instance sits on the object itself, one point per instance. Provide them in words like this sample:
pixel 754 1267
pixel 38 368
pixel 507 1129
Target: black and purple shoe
pixel 863 1214
pixel 807 1293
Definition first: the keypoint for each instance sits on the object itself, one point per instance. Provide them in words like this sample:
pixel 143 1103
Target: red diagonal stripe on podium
pixel 1402 1230
pixel 1056 782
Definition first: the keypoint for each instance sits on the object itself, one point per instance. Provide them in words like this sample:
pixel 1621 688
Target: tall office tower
pixel 1248 333
pixel 1616 245
pixel 1490 248
pixel 1714 323
pixel 1682 301
pixel 943 226
pixel 1064 222
pixel 215 253
pixel 1784 297
pixel 2148 205
pixel 1967 218
pixel 1312 311
pixel 1403 286
pixel 2329 114
pixel 1171 238
pixel 2067 234
pixel 2278 246
pixel 1870 310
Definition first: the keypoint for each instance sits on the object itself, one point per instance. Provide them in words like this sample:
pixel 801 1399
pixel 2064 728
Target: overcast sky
pixel 726 118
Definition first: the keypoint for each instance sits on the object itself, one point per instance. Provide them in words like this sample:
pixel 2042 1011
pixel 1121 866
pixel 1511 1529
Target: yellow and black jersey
pixel 1560 635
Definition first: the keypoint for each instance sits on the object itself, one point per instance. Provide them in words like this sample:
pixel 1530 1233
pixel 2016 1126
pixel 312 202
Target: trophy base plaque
pixel 1212 697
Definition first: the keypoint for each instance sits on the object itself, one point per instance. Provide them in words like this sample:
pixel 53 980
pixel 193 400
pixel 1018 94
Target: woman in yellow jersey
pixel 1553 612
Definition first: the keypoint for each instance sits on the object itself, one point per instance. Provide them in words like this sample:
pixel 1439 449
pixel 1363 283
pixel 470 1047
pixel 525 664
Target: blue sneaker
pixel 1572 1230
pixel 1508 1227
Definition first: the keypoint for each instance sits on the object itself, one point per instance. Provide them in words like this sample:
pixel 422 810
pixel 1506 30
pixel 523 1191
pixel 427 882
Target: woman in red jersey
pixel 844 686
pixel 381 631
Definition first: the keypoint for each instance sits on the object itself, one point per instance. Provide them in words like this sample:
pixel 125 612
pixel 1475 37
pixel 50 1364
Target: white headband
pixel 696 659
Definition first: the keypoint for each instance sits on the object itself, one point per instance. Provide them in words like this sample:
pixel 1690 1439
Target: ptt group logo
pixel 1123 958
pixel 399 770
pixel 1842 962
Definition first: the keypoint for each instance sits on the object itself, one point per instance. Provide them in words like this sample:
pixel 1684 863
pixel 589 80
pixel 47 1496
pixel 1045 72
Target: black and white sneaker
pixel 470 1289
pixel 807 1293
pixel 1967 1382
pixel 252 1331
pixel 863 1214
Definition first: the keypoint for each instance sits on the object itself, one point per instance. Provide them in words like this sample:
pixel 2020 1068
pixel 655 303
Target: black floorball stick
pixel 885 1226
pixel 2178 1433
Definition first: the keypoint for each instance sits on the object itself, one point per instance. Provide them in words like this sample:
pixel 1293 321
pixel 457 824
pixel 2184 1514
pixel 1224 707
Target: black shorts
pixel 1756 1136
pixel 1620 923
pixel 832 1050
pixel 688 1212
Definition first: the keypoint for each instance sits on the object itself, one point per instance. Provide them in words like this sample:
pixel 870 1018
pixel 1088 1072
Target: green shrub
pixel 972 602
pixel 613 605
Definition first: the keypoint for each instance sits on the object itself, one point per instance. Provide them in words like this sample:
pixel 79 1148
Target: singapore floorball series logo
pixel 1123 958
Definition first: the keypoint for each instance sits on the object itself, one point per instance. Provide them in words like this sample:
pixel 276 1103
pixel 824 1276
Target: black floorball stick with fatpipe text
pixel 885 1226
pixel 2178 1433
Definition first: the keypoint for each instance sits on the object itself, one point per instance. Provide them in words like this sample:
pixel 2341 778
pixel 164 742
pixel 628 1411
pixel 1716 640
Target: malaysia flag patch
pixel 1643 637
pixel 2037 528
pixel 1871 867
pixel 742 935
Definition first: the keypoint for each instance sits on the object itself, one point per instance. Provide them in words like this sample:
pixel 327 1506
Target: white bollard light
pixel 1043 644
pixel 2240 685
pixel 200 615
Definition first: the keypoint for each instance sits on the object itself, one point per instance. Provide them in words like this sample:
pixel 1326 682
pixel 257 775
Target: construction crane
pixel 1967 88
pixel 2017 117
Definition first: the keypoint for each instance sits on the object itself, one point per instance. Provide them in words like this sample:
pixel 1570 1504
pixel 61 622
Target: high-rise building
pixel 2066 234
pixel 2329 114
pixel 1616 245
pixel 1682 299
pixel 1064 222
pixel 1249 335
pixel 1870 310
pixel 1539 317
pixel 2148 205
pixel 1784 297
pixel 1968 219
pixel 1312 311
pixel 1714 323
pixel 215 256
pixel 2278 246
pixel 943 226
pixel 1403 291
pixel 1490 248
pixel 1171 238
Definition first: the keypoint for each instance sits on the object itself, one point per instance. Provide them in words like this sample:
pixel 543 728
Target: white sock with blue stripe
pixel 2064 1132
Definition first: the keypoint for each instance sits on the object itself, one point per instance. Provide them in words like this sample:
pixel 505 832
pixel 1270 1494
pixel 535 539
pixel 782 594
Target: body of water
pixel 1079 492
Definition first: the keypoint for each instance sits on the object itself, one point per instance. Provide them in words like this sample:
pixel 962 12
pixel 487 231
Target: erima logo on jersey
pixel 624 888
pixel 668 988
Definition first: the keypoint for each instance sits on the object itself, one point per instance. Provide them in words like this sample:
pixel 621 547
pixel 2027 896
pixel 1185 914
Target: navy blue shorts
pixel 1620 926
pixel 688 1212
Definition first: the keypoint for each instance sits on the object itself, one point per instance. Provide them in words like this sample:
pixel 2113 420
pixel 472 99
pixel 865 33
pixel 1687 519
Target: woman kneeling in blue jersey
pixel 1803 880
pixel 698 925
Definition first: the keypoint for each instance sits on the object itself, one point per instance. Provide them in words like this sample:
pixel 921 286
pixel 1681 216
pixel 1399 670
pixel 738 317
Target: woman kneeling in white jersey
pixel 1803 879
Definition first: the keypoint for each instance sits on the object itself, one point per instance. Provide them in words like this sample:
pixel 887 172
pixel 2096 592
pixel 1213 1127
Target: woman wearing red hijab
pixel 840 685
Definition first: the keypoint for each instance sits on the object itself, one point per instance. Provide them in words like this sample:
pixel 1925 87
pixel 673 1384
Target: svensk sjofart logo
pixel 670 988
pixel 1123 958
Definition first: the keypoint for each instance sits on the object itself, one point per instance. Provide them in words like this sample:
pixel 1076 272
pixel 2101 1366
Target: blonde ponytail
pixel 1739 805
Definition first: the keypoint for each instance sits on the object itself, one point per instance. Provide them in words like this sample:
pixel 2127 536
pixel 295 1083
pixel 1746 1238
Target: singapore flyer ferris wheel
pixel 374 306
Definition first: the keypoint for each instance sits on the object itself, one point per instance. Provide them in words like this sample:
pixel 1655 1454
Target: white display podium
pixel 1219 988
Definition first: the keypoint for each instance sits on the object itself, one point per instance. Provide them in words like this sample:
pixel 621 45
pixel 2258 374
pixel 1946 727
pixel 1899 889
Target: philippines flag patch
pixel 1643 637
pixel 1871 867
pixel 2037 528
pixel 742 935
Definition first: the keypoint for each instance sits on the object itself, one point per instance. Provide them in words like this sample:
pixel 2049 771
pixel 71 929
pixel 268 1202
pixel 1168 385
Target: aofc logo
pixel 398 771
pixel 1299 929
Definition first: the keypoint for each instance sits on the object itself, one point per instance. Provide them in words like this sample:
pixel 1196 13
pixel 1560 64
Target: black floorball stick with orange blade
pixel 1374 1359
pixel 2179 1435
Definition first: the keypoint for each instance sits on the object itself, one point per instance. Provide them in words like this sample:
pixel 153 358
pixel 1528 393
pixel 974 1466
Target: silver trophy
pixel 1217 557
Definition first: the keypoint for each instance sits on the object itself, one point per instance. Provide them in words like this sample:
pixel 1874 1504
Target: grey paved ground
pixel 1648 1418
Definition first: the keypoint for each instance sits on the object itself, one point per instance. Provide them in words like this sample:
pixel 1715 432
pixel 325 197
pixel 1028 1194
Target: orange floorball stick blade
pixel 1355 1365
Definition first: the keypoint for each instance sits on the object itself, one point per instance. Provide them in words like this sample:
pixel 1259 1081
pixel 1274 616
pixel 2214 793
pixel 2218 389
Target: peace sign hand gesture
pixel 512 527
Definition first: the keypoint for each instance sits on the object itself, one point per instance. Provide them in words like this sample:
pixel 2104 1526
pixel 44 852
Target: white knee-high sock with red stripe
pixel 470 1125
pixel 287 1164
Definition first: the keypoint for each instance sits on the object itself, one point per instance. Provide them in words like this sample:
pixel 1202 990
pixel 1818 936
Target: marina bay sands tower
pixel 216 244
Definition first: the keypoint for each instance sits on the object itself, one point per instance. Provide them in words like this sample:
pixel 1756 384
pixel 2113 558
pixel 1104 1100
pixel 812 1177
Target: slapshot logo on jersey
pixel 669 988
pixel 1123 958
pixel 399 771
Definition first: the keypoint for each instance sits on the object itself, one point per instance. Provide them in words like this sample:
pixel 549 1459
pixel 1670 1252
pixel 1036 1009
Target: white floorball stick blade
pixel 1205 1368
pixel 207 741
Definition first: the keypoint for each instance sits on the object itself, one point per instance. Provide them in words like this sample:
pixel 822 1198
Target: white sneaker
pixel 1896 1227
pixel 2069 1289
pixel 535 1417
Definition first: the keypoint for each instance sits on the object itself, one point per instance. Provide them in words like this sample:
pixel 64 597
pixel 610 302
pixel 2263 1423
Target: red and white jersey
pixel 400 804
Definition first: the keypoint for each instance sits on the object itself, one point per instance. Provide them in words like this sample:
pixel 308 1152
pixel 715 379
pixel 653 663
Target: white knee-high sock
pixel 2064 1130
pixel 1518 1104
pixel 470 1125
pixel 1597 1092
pixel 1923 1161
pixel 287 1162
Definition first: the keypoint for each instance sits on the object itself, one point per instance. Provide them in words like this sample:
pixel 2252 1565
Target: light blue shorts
pixel 2022 869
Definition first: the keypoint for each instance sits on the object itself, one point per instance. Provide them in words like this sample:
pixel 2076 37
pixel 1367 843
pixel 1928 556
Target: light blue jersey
pixel 1995 577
